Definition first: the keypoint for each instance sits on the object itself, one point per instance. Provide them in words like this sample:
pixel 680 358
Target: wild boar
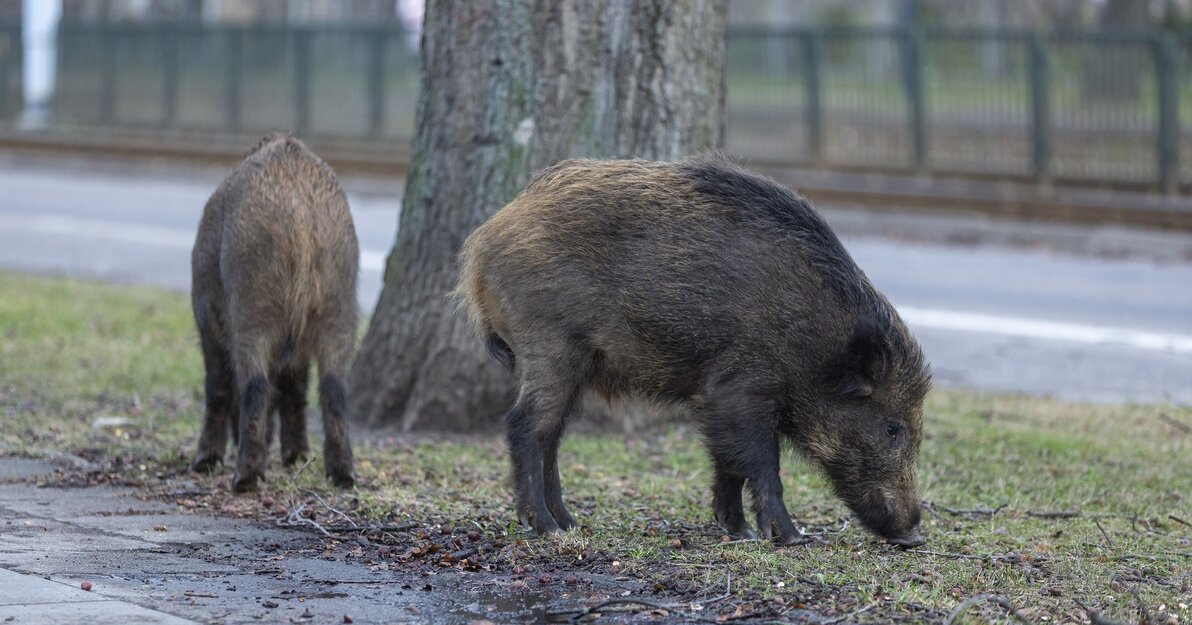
pixel 274 287
pixel 700 284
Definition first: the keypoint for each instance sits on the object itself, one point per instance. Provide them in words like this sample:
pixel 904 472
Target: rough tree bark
pixel 510 87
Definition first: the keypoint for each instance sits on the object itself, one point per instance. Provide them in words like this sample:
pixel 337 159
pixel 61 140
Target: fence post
pixel 302 41
pixel 107 102
pixel 1040 109
pixel 912 82
pixel 1168 130
pixel 6 47
pixel 170 63
pixel 233 75
pixel 812 53
pixel 376 83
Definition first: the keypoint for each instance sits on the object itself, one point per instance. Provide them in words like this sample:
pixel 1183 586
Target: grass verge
pixel 1054 509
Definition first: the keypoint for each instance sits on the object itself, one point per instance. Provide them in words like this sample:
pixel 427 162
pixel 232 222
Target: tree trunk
pixel 510 87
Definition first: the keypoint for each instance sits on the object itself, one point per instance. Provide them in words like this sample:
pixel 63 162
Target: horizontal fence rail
pixel 1093 108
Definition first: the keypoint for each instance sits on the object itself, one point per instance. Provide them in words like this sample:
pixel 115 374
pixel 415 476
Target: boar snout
pixel 893 516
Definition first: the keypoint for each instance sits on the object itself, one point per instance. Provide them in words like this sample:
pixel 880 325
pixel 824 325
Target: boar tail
pixel 500 350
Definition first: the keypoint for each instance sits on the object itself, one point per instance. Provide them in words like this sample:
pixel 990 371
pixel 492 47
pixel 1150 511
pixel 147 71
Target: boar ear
pixel 865 358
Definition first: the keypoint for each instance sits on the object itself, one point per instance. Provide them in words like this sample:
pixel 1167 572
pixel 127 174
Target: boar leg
pixel 553 488
pixel 334 354
pixel 727 504
pixel 291 412
pixel 255 403
pixel 220 415
pixel 765 485
pixel 741 446
pixel 528 463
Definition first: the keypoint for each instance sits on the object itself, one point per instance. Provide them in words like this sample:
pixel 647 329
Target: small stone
pixel 545 579
pixel 347 619
pixel 445 529
pixel 267 501
pixel 86 586
pixel 473 536
pixel 269 604
pixel 677 543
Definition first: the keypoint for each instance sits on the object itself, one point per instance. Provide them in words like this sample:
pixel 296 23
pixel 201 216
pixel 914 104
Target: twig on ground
pixel 1009 607
pixel 849 615
pixel 1104 533
pixel 1052 514
pixel 295 519
pixel 328 506
pixel 1175 423
pixel 964 605
pixel 574 615
pixel 974 512
pixel 1096 617
pixel 1142 611
pixel 739 541
pixel 1179 520
pixel 344 529
pixel 959 556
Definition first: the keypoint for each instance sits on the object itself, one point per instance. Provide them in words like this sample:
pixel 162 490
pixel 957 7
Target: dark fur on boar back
pixel 273 288
pixel 702 284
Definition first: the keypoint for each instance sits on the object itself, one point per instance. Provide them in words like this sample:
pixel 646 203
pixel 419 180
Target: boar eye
pixel 893 429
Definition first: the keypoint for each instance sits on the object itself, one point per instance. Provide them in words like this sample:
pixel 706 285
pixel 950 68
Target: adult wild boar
pixel 702 284
pixel 274 287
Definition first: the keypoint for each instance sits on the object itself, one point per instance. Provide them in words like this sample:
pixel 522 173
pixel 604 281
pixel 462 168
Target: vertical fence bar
pixel 302 68
pixel 376 82
pixel 1167 139
pixel 170 69
pixel 1040 77
pixel 233 39
pixel 912 83
pixel 107 74
pixel 812 53
pixel 7 46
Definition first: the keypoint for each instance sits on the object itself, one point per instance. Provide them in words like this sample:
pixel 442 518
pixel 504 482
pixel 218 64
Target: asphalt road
pixel 990 316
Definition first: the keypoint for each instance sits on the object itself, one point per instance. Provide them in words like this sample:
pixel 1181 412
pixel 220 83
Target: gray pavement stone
pixel 32 599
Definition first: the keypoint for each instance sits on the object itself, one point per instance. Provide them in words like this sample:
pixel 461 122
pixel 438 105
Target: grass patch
pixel 1042 502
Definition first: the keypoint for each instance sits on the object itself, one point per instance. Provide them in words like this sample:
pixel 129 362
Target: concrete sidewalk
pixel 149 562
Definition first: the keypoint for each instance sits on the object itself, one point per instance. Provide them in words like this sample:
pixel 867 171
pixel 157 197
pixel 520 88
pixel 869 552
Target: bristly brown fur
pixel 274 287
pixel 703 284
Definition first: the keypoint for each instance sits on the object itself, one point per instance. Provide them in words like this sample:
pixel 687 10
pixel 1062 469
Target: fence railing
pixel 1088 108
pixel 10 69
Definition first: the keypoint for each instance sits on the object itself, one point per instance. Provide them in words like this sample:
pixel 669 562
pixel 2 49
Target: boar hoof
pixel 290 459
pixel 245 484
pixel 546 526
pixel 342 480
pixel 206 463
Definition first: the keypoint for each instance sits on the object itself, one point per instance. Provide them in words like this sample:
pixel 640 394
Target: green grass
pixel 72 351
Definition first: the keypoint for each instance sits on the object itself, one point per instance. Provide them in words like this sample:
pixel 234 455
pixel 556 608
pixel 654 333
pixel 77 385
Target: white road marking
pixel 1040 329
pixel 138 234
pixel 374 260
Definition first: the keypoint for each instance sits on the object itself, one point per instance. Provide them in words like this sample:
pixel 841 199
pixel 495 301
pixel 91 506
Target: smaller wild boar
pixel 704 285
pixel 274 287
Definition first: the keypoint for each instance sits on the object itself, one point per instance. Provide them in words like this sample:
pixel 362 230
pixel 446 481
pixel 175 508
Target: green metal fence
pixel 354 83
pixel 1087 108
pixel 10 70
pixel 1090 108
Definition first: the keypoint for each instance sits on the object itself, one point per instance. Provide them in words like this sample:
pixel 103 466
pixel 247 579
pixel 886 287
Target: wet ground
pixel 147 559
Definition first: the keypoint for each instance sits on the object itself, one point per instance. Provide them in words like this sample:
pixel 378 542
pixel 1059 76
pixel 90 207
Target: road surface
pixel 991 317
